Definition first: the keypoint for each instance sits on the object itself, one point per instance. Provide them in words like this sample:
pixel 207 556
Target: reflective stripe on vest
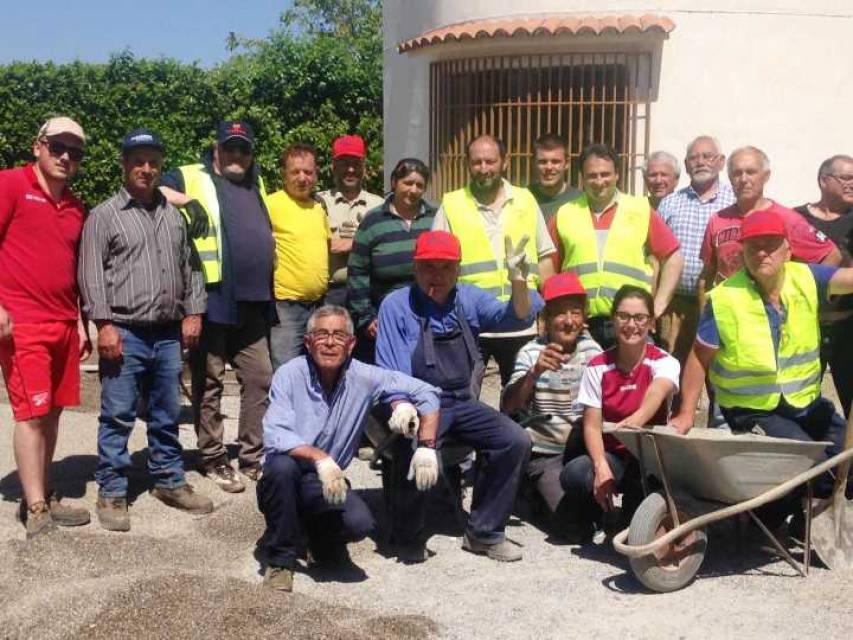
pixel 198 185
pixel 623 260
pixel 479 264
pixel 747 372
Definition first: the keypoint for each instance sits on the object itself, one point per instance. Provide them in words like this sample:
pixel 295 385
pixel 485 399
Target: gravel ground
pixel 176 575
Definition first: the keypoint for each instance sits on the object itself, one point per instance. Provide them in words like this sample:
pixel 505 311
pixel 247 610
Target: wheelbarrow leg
pixel 670 502
pixel 807 543
pixel 783 552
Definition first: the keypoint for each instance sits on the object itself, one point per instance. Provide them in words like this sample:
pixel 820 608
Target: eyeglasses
pixel 640 319
pixel 237 147
pixel 338 337
pixel 58 148
pixel 843 179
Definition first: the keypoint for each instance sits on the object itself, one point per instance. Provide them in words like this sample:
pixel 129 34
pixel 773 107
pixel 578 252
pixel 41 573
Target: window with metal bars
pixel 582 97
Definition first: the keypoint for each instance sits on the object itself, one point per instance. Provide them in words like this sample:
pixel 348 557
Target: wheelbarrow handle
pixel 760 500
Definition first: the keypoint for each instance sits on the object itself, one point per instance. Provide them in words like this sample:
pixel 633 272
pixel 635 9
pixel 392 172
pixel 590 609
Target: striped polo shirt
pixel 554 406
pixel 381 258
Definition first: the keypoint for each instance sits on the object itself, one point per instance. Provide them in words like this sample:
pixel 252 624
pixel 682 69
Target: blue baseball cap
pixel 235 129
pixel 141 138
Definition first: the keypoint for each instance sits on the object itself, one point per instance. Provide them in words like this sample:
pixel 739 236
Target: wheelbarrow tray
pixel 716 465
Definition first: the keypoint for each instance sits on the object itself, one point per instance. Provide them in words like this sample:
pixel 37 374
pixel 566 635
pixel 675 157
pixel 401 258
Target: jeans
pixel 578 478
pixel 502 448
pixel 287 337
pixel 151 357
pixel 290 496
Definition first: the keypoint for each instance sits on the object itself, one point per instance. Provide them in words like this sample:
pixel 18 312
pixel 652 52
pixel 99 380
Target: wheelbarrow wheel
pixel 673 566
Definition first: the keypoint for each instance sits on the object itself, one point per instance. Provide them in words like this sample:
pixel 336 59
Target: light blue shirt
pixel 300 413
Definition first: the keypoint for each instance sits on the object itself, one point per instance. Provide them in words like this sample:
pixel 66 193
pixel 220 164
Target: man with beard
pixel 686 212
pixel 481 215
pixel 833 216
pixel 237 254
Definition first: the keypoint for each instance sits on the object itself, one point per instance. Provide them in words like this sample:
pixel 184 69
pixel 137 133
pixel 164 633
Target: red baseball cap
pixel 438 245
pixel 763 223
pixel 566 283
pixel 349 146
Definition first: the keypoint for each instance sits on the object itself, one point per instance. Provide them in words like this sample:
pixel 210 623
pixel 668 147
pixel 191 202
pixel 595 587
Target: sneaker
pixel 183 498
pixel 112 513
pixel 39 520
pixel 252 472
pixel 279 578
pixel 66 515
pixel 412 553
pixel 503 551
pixel 223 474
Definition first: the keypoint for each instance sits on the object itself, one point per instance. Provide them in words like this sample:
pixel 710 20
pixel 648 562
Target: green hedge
pixel 287 87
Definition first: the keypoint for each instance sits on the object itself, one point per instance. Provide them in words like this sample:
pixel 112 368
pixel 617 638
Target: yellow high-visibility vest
pixel 198 185
pixel 623 259
pixel 747 372
pixel 480 266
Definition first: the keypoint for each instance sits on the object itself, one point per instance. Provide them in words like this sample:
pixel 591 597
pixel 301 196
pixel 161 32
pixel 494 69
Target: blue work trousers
pixel 151 359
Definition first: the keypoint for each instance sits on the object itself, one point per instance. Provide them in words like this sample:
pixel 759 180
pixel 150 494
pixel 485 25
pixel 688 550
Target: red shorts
pixel 41 366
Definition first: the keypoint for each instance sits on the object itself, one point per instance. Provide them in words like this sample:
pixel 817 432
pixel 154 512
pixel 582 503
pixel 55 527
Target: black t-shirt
pixel 840 230
pixel 550 204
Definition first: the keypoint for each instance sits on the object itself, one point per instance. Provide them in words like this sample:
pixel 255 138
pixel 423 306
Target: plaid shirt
pixel 687 216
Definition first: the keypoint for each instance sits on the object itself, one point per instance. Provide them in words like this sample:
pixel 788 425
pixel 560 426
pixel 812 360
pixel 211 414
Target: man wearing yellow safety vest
pixel 606 238
pixel 482 215
pixel 237 256
pixel 759 339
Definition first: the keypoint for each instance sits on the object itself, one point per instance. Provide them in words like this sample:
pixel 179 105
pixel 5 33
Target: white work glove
pixel 347 229
pixel 516 258
pixel 424 468
pixel 404 420
pixel 332 479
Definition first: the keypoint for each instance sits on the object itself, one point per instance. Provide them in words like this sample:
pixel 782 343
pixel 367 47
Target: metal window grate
pixel 583 97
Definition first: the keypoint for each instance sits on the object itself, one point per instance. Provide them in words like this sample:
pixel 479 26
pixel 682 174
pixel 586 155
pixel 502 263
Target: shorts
pixel 41 367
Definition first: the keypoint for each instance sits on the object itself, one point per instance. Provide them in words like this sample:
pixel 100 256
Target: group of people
pixel 339 308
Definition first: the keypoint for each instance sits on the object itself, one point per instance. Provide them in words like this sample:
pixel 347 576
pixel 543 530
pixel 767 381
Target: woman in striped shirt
pixel 382 250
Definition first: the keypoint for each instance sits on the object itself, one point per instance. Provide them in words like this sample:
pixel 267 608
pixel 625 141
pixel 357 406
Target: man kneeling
pixel 311 431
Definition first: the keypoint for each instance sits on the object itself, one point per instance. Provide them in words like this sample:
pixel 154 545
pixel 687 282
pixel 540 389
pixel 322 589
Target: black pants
pixel 290 496
pixel 578 477
pixel 504 350
pixel 837 351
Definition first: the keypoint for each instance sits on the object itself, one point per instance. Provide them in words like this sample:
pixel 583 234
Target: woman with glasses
pixel 381 257
pixel 631 385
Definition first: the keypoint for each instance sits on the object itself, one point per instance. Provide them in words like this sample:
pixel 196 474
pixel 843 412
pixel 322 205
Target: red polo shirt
pixel 38 249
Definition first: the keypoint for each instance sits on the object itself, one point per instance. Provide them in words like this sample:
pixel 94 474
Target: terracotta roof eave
pixel 551 25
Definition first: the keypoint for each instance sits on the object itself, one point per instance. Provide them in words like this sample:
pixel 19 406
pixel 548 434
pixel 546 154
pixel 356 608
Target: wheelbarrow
pixel 709 475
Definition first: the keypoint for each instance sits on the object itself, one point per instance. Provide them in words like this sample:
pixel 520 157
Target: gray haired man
pixel 660 173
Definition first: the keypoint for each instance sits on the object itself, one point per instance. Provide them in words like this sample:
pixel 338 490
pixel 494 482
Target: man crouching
pixel 312 430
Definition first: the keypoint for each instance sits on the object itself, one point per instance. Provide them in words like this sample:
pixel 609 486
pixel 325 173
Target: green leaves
pixel 317 77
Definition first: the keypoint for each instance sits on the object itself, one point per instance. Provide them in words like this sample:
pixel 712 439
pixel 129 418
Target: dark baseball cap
pixel 141 138
pixel 231 129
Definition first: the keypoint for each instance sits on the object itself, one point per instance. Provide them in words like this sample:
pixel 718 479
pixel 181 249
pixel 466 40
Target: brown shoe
pixel 253 472
pixel 112 513
pixel 39 520
pixel 279 578
pixel 66 515
pixel 183 498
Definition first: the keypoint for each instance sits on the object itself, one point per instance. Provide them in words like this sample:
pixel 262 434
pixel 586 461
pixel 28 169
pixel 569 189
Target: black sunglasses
pixel 237 147
pixel 58 148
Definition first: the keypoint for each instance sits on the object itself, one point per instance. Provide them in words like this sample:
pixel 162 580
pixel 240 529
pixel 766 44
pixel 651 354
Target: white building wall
pixel 772 73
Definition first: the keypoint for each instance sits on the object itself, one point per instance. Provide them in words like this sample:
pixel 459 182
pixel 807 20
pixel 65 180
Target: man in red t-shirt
pixel 749 171
pixel 42 338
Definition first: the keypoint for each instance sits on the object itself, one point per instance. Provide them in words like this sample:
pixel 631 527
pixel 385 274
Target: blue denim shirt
pixel 400 323
pixel 300 412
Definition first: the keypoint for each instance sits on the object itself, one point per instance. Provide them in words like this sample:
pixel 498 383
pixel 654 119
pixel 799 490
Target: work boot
pixel 252 472
pixel 225 477
pixel 183 498
pixel 503 551
pixel 112 513
pixel 39 520
pixel 279 578
pixel 66 515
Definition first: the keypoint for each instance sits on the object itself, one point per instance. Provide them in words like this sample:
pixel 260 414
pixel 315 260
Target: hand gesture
pixel 516 259
pixel 551 358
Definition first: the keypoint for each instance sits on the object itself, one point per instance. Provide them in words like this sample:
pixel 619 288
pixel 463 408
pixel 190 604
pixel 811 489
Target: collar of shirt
pixel 339 197
pixel 389 210
pixel 67 198
pixel 127 201
pixel 316 383
pixel 690 192
pixel 614 202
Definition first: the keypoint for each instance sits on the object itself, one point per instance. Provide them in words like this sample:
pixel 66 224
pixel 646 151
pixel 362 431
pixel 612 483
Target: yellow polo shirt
pixel 301 235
